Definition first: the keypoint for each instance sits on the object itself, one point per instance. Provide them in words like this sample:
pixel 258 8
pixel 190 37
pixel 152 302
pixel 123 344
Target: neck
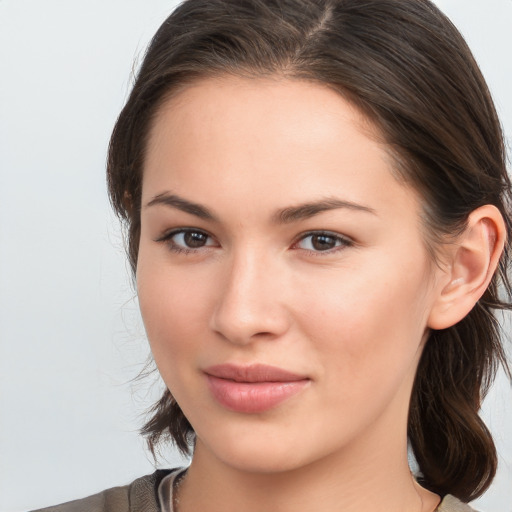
pixel 373 477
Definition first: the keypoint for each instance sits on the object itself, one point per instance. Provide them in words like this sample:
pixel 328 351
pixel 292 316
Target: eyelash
pixel 341 242
pixel 168 239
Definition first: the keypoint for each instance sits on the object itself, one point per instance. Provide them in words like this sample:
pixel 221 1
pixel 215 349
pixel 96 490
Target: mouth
pixel 253 389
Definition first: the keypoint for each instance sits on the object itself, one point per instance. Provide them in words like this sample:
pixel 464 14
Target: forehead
pixel 267 138
pixel 309 108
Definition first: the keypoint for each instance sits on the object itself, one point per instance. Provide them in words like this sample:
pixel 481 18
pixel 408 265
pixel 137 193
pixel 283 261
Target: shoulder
pixel 139 496
pixel 452 504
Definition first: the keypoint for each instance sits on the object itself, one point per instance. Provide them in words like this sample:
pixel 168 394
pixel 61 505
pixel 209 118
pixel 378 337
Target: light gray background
pixel 70 335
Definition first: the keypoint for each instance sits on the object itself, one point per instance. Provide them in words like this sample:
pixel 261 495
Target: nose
pixel 250 304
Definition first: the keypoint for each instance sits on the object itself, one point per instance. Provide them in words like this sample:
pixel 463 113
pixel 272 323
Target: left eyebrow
pixel 307 210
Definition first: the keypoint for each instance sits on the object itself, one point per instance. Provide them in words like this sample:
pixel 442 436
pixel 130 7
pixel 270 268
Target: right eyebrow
pixel 174 201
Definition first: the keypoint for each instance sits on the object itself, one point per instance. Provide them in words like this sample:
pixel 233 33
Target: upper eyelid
pixel 174 231
pixel 326 232
pixel 173 246
pixel 345 243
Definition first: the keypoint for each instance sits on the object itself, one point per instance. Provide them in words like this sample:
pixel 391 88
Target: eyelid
pixel 167 237
pixel 175 231
pixel 345 241
pixel 342 241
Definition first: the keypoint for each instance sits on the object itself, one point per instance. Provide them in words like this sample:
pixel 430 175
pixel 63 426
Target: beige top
pixel 166 488
pixel 154 493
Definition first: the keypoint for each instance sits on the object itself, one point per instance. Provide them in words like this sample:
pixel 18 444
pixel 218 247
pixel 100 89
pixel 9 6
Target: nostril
pixel 246 329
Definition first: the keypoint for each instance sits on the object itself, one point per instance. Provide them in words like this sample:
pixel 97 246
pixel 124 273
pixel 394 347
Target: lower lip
pixel 253 397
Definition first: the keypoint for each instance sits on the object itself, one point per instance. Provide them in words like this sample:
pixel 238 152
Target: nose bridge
pixel 249 303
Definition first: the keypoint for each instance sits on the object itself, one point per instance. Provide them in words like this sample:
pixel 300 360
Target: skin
pixel 353 318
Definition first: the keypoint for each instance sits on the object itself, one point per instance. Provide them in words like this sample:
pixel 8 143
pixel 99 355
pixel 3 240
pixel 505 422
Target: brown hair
pixel 407 68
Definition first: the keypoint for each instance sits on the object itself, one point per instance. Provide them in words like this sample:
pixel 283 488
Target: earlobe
pixel 470 268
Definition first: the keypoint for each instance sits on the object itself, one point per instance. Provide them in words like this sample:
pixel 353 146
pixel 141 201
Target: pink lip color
pixel 252 389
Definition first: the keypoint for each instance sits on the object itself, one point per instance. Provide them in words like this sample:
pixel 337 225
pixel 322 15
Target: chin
pixel 261 448
pixel 262 460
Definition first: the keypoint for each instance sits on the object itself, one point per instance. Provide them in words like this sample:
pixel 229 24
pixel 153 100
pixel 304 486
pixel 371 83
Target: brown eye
pixel 187 240
pixel 194 239
pixel 322 242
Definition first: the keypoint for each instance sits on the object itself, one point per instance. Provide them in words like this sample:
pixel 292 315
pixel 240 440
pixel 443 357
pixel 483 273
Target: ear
pixel 470 267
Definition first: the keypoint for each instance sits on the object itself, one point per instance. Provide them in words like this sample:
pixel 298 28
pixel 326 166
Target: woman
pixel 318 219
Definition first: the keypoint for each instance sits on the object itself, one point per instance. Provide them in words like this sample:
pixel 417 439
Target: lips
pixel 252 389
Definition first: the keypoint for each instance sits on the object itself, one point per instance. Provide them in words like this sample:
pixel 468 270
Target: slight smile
pixel 252 389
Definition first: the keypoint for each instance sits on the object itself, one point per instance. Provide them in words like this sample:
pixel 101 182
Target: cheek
pixel 366 326
pixel 174 311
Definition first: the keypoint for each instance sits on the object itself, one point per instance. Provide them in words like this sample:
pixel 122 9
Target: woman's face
pixel 282 275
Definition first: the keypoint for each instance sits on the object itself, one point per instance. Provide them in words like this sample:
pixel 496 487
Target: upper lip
pixel 252 373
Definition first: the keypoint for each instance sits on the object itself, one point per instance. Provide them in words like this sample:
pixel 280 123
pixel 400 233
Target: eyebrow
pixel 283 216
pixel 307 210
pixel 184 205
